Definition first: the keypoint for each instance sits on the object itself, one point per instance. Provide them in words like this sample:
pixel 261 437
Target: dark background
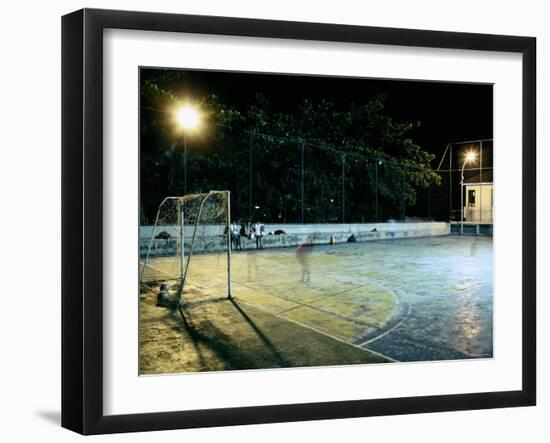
pixel 446 113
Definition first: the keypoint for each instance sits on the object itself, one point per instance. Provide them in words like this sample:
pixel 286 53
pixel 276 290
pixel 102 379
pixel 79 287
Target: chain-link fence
pixel 279 179
pixel 466 190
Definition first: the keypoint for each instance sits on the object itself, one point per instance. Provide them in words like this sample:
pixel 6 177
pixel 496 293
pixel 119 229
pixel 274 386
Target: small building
pixel 466 171
pixel 478 198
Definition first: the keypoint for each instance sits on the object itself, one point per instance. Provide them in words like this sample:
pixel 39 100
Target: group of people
pixel 252 231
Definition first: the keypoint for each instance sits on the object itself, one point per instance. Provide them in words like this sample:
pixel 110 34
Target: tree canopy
pixel 334 156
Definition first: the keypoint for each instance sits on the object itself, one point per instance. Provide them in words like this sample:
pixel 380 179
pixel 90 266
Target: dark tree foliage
pixel 258 154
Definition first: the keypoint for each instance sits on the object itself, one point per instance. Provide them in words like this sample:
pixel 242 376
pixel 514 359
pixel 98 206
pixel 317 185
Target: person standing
pixel 259 231
pixel 303 253
pixel 250 230
pixel 235 236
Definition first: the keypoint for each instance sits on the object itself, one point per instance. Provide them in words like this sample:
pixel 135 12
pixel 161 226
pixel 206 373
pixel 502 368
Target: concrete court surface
pixel 403 300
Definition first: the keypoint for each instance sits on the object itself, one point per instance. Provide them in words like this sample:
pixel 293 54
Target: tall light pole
pixel 470 156
pixel 188 120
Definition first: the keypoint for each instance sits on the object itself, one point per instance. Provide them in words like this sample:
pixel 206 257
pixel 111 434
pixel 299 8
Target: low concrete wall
pixel 319 234
pixel 470 228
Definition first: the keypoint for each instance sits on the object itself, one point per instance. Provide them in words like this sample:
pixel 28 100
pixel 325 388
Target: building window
pixel 471 198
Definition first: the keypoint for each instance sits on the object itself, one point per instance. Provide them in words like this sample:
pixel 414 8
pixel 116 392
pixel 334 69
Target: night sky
pixel 449 112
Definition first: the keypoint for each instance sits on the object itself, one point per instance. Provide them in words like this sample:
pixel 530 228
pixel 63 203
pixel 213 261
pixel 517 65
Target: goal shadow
pixel 219 339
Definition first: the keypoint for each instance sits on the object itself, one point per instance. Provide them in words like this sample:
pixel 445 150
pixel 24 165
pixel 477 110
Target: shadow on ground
pixel 226 334
pixel 53 417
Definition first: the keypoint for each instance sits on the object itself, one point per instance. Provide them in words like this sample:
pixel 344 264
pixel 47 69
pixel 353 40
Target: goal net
pixel 187 251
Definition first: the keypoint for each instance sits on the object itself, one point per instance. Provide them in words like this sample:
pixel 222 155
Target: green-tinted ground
pixel 224 334
pixel 408 300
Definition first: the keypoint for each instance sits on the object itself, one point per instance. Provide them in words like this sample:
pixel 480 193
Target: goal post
pixel 184 249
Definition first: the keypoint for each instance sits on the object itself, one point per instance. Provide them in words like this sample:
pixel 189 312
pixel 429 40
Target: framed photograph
pixel 269 221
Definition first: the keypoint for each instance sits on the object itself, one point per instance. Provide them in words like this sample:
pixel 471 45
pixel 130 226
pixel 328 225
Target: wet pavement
pixel 447 285
pixel 409 300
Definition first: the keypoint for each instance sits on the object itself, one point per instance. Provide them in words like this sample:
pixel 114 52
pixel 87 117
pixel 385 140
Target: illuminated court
pixel 405 300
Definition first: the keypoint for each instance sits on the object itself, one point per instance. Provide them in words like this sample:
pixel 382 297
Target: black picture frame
pixel 82 216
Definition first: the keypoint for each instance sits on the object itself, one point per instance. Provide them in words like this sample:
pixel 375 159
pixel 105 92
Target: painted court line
pixel 306 305
pixel 334 337
pixel 389 331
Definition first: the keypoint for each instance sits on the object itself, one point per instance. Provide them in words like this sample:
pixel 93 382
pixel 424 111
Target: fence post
pixel 481 187
pixel 184 164
pixel 429 201
pixel 451 183
pixel 480 159
pixel 343 187
pixel 376 192
pixel 302 184
pixel 250 176
pixel 403 196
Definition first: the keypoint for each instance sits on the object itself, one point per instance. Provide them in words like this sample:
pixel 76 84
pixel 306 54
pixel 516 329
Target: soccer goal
pixel 188 249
